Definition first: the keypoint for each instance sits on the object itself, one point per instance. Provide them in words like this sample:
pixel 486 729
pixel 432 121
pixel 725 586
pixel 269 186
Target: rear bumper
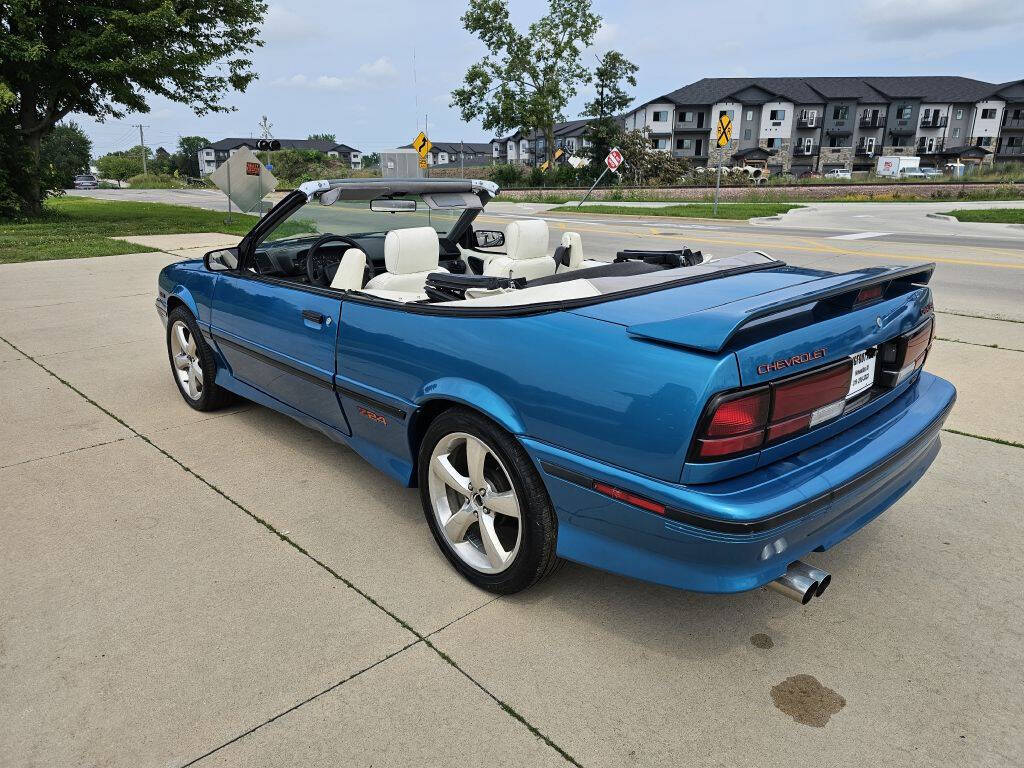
pixel 742 533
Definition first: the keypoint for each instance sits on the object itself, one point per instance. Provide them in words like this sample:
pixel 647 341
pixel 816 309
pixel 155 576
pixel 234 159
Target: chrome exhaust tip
pixel 801 582
pixel 824 578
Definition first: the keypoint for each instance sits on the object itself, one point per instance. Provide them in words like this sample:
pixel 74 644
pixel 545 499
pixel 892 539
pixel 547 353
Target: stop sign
pixel 614 159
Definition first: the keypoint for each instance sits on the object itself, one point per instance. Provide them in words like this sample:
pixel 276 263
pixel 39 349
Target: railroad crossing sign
pixel 244 179
pixel 724 131
pixel 422 145
pixel 614 160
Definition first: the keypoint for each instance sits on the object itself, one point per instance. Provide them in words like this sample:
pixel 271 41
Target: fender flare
pixel 184 295
pixel 474 396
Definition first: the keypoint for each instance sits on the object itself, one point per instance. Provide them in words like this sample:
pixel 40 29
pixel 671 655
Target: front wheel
pixel 486 504
pixel 192 363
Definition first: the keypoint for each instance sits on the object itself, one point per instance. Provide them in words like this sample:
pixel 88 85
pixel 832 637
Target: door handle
pixel 312 316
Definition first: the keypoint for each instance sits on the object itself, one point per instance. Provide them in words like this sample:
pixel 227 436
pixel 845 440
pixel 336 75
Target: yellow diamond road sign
pixel 724 131
pixel 422 144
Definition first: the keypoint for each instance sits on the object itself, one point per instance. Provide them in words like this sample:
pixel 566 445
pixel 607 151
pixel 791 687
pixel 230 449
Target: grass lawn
pixel 989 215
pixel 689 210
pixel 76 227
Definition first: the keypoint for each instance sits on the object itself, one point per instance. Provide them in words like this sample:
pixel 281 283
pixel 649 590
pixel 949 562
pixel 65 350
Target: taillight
pixel 904 355
pixel 742 422
pixel 735 424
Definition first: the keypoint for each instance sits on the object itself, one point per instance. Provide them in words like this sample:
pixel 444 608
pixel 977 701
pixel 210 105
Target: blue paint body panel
pixel 589 395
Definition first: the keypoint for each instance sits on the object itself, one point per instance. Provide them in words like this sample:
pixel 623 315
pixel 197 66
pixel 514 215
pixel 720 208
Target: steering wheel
pixel 317 265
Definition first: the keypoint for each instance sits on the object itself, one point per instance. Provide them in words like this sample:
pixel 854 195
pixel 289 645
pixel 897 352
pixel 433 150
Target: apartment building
pixel 213 155
pixel 468 152
pixel 816 124
pixel 530 147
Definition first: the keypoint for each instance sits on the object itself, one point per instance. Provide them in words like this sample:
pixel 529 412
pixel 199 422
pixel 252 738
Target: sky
pixel 369 72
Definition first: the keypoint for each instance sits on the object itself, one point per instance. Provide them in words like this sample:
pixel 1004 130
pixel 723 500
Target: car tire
pixel 193 366
pixel 529 546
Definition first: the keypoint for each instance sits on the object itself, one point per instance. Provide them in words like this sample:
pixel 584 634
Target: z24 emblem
pixel 789 362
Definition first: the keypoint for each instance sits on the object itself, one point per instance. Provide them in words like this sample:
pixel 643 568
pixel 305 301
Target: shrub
pixel 507 175
pixel 155 181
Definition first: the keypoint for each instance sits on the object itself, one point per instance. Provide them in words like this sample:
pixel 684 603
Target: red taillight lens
pixel 812 391
pixel 906 354
pixel 742 414
pixel 736 425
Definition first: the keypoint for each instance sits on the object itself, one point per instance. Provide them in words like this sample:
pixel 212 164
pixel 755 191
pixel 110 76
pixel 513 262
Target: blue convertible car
pixel 697 423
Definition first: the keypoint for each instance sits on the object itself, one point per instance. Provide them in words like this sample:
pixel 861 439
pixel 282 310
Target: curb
pixel 941 217
pixel 765 219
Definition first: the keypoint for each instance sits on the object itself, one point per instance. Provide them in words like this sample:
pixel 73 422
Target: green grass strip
pixel 688 211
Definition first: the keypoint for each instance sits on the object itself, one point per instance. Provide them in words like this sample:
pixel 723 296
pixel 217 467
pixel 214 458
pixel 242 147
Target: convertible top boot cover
pixel 526 246
pixel 409 256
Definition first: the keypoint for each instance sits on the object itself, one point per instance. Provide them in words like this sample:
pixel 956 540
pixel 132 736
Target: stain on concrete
pixel 761 640
pixel 806 700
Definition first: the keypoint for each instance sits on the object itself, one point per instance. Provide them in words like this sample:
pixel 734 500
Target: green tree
pixel 103 59
pixel 371 160
pixel 64 154
pixel 613 71
pixel 322 137
pixel 119 166
pixel 186 159
pixel 527 78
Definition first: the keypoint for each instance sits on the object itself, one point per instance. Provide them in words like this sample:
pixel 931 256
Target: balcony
pixel 807 121
pixel 872 122
pixel 903 128
pixel 934 122
pixel 1013 125
pixel 865 150
pixel 936 148
pixel 803 150
pixel 1017 151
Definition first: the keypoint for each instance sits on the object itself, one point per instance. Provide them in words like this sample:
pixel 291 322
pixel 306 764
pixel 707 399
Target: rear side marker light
pixel 630 498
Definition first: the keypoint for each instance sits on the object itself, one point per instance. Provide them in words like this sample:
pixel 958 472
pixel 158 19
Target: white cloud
pixel 899 20
pixel 283 27
pixel 372 75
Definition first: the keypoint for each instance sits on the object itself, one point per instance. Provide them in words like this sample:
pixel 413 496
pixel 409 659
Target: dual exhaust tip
pixel 801 582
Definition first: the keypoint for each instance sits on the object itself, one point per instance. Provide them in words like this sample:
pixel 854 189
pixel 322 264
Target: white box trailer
pixel 894 165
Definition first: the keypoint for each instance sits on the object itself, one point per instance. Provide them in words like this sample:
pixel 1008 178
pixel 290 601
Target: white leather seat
pixel 349 276
pixel 574 243
pixel 409 256
pixel 526 251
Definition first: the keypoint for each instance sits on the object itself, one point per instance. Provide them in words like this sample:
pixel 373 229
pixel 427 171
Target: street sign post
pixel 612 163
pixel 244 179
pixel 724 133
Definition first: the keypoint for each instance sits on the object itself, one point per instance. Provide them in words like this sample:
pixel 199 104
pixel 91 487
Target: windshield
pixel 355 217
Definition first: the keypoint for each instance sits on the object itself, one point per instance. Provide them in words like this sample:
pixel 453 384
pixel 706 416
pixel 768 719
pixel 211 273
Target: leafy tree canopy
pixel 65 153
pixel 613 71
pixel 322 137
pixel 103 59
pixel 527 78
pixel 119 166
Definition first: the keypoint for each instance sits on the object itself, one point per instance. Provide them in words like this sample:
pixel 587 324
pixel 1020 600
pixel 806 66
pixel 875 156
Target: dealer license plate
pixel 863 372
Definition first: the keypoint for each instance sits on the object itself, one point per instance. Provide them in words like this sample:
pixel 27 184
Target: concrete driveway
pixel 234 589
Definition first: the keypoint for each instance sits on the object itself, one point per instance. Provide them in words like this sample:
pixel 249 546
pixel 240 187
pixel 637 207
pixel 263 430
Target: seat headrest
pixel 526 239
pixel 574 243
pixel 408 251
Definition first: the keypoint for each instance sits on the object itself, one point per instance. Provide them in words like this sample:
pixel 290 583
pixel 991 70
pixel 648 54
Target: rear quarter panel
pixel 570 381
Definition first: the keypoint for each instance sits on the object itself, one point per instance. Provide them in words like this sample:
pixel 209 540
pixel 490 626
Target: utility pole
pixel 142 143
pixel 462 159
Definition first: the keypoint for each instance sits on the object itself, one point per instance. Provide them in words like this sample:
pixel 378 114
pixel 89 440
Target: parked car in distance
pixel 839 173
pixel 86 181
pixel 698 423
pixel 932 173
pixel 912 173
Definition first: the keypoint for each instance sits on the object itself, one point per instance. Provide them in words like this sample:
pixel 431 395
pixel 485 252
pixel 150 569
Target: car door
pixel 281 339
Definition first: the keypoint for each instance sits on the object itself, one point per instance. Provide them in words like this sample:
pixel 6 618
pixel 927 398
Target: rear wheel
pixel 192 363
pixel 485 503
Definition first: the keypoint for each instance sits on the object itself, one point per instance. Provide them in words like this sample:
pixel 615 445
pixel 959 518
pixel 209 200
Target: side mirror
pixel 488 238
pixel 221 261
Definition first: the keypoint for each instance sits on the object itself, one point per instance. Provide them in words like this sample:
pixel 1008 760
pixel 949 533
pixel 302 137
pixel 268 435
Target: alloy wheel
pixel 474 503
pixel 185 358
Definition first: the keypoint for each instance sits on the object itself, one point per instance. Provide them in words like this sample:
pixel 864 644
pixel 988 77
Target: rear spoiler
pixel 710 330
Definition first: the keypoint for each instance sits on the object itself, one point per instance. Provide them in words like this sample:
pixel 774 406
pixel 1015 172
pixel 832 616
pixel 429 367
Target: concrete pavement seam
pixel 295 545
pixel 978 317
pixel 302 703
pixel 977 344
pixel 996 440
pixel 65 453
